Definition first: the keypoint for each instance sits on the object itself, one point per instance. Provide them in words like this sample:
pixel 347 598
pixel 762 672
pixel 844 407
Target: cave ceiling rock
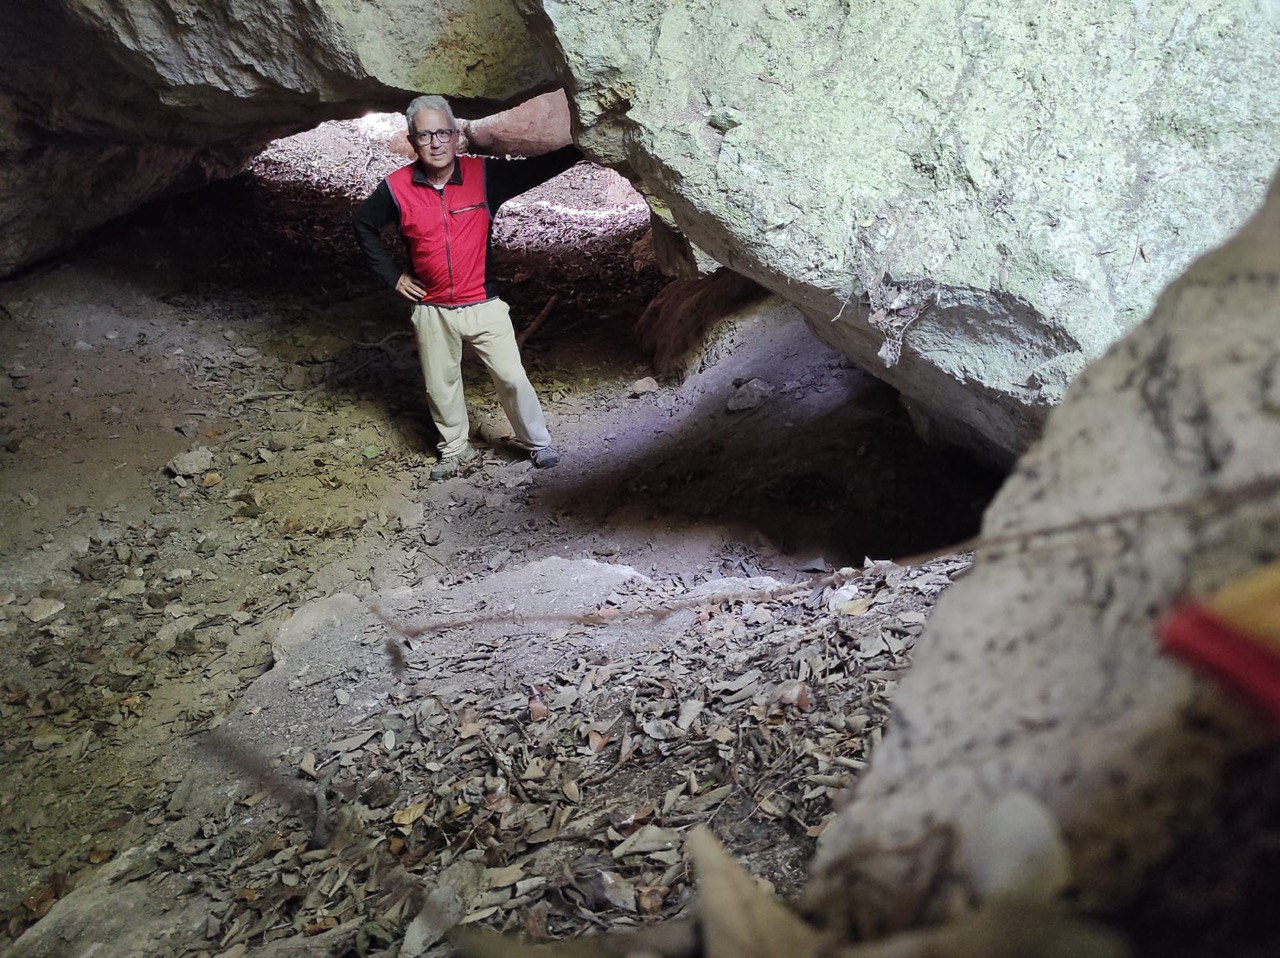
pixel 1157 477
pixel 1036 172
pixel 107 104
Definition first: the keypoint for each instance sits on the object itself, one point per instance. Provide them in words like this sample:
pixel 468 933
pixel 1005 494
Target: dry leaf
pixel 352 742
pixel 689 710
pixel 409 815
pixel 672 795
pixel 856 606
pixel 662 729
pixel 503 877
pixel 650 838
pixel 611 889
pixel 627 748
pixel 771 808
pixel 651 897
pixel 321 926
pixel 536 769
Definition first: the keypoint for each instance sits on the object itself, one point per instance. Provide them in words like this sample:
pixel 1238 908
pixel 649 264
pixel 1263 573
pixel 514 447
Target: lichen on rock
pixel 1049 170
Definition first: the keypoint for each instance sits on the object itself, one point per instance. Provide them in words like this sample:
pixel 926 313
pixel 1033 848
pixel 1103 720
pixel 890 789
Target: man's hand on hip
pixel 408 287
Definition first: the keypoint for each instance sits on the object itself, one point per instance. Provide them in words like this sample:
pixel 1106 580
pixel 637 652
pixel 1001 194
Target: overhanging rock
pixel 1027 176
pixel 105 105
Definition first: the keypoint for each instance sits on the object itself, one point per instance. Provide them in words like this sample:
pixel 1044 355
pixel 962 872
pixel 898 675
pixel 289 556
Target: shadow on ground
pixel 827 466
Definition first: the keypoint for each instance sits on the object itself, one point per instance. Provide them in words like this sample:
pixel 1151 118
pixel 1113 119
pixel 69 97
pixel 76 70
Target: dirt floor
pixel 264 674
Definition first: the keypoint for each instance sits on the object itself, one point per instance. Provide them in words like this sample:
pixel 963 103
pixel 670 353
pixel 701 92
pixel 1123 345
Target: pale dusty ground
pixel 136 607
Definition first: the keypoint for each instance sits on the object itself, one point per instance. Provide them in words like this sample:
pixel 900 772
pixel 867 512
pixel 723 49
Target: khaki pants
pixel 487 327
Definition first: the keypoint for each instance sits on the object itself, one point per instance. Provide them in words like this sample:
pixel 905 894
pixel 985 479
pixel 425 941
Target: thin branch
pixel 1253 490
pixel 541 318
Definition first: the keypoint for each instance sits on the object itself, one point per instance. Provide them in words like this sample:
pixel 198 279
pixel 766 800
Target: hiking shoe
pixel 544 458
pixel 451 465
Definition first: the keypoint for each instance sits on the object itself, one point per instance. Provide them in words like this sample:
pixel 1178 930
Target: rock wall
pixel 1039 672
pixel 104 105
pixel 1023 178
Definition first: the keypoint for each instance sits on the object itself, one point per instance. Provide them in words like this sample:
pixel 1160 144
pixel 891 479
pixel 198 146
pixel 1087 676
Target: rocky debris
pixel 1016 199
pixel 751 394
pixel 643 387
pixel 341 157
pixel 1156 478
pixel 39 609
pixel 189 463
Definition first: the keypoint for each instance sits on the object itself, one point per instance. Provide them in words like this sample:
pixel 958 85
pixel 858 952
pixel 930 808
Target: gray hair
pixel 430 102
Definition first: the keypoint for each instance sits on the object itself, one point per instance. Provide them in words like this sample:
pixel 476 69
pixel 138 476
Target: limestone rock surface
pixel 1157 477
pixel 1026 177
pixel 104 105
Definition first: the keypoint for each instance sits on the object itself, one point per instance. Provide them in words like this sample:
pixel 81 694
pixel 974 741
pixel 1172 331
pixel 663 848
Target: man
pixel 444 205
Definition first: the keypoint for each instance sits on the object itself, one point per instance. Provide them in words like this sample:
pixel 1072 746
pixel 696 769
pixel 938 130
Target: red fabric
pixel 1247 664
pixel 447 232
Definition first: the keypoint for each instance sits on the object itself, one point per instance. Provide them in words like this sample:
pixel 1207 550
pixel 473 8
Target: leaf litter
pixel 566 806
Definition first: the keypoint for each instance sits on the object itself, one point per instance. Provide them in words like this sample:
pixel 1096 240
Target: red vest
pixel 447 232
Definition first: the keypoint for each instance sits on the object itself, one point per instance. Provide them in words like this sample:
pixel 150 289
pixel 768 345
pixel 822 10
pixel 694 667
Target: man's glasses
pixel 432 136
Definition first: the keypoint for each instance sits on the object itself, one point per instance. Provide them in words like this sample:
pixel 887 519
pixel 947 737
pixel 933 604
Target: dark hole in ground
pixel 829 466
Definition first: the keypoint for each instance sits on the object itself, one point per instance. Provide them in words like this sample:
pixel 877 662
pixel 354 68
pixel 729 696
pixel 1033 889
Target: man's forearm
pixel 375 251
pixel 506 178
pixel 373 214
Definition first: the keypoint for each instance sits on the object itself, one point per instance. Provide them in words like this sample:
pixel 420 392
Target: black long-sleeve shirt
pixel 504 178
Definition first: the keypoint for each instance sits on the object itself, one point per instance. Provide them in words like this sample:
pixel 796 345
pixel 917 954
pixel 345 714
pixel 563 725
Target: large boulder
pixel 1159 476
pixel 104 105
pixel 1010 183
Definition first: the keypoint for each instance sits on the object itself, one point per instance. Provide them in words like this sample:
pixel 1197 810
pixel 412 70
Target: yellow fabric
pixel 1252 604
